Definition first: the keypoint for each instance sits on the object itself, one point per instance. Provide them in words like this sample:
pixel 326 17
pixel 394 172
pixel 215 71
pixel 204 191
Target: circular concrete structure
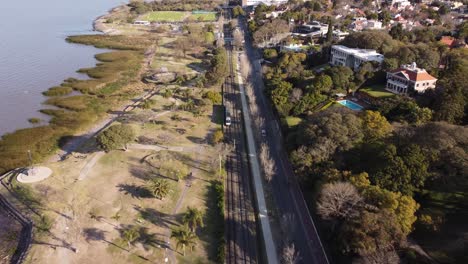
pixel 34 174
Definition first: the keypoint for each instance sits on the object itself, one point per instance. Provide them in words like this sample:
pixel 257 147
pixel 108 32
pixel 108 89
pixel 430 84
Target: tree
pixel 338 201
pixel 115 137
pixel 328 132
pixel 330 30
pixel 238 11
pixel 323 83
pixel 370 233
pixel 365 72
pixel 130 235
pixel 159 188
pixel 238 39
pixel 268 163
pixel 183 45
pixel 389 64
pixel 218 136
pixel 375 126
pixel 270 54
pixel 184 238
pixel 290 255
pixel 193 218
pixel 280 91
pixel 341 77
pixel 219 66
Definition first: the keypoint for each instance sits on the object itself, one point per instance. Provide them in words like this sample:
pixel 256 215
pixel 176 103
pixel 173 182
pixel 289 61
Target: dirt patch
pixel 10 231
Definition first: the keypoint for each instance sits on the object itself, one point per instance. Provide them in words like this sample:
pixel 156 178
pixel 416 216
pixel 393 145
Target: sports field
pixel 179 16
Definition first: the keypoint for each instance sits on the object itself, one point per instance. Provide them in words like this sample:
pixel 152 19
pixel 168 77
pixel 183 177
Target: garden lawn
pixel 292 121
pixel 377 91
pixel 170 16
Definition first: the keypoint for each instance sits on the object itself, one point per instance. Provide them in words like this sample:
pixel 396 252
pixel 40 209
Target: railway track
pixel 240 223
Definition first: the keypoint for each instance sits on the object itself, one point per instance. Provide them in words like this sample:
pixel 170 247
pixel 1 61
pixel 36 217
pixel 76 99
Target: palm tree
pixel 193 218
pixel 184 237
pixel 159 188
pixel 130 234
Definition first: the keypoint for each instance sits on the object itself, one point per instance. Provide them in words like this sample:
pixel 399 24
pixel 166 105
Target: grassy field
pixel 166 16
pixel 204 16
pixel 292 121
pixel 178 16
pixel 377 91
pixel 169 57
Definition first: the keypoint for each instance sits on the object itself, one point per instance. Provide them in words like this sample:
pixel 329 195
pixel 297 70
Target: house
pixel 448 41
pixel 361 23
pixel 409 78
pixel 313 29
pixel 353 58
pixel 266 2
pixel 339 35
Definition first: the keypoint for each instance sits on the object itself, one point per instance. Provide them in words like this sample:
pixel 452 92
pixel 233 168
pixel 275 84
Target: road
pixel 241 240
pixel 286 191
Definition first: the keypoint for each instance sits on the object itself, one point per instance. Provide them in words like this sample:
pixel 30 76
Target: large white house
pixel 409 78
pixel 353 58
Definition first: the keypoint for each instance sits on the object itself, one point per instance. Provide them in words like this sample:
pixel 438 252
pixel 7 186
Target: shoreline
pixel 99 24
pixel 58 153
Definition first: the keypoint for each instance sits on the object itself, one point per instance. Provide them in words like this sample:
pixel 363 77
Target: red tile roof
pixel 447 40
pixel 414 75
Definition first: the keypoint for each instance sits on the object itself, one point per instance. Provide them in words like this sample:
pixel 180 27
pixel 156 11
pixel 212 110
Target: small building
pixel 266 2
pixel 408 79
pixel 353 58
pixel 448 41
pixel 142 22
pixel 339 35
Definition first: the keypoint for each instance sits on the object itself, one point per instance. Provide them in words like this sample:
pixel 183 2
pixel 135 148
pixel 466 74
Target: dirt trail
pixel 76 142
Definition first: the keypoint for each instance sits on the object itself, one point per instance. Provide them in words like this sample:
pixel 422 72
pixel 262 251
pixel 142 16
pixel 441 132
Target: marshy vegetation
pixel 93 98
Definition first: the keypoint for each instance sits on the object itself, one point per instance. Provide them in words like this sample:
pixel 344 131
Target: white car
pixel 227 122
pixel 263 133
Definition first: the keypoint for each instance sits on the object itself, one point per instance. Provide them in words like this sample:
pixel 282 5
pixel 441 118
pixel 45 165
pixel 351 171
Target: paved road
pixel 286 191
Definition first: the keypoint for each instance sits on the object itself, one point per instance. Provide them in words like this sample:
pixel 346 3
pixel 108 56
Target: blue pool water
pixel 351 105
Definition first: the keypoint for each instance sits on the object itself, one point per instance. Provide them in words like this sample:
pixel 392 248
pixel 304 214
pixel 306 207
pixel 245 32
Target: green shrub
pixel 34 120
pixel 58 91
pixel 214 97
pixel 218 136
pixel 167 93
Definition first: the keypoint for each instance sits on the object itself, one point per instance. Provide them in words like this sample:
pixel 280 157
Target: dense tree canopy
pixel 115 137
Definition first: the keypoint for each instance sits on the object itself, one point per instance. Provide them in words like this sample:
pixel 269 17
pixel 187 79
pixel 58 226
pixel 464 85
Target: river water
pixel 35 56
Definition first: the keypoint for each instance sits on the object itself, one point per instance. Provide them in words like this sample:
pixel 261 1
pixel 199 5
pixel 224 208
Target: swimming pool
pixel 351 105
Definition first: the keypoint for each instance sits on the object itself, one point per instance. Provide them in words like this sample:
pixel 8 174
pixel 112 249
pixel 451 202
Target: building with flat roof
pixel 353 58
pixel 409 78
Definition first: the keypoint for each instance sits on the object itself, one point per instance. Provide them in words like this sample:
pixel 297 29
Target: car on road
pixel 227 117
pixel 263 133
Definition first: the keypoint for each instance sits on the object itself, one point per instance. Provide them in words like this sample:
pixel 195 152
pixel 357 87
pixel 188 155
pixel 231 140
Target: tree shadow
pixel 196 140
pixel 135 191
pixel 218 114
pixel 157 218
pixel 197 66
pixel 70 143
pixel 94 234
pixel 144 237
pixel 139 172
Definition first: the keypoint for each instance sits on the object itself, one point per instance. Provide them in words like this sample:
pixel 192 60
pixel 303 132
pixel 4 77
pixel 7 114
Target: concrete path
pixel 90 164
